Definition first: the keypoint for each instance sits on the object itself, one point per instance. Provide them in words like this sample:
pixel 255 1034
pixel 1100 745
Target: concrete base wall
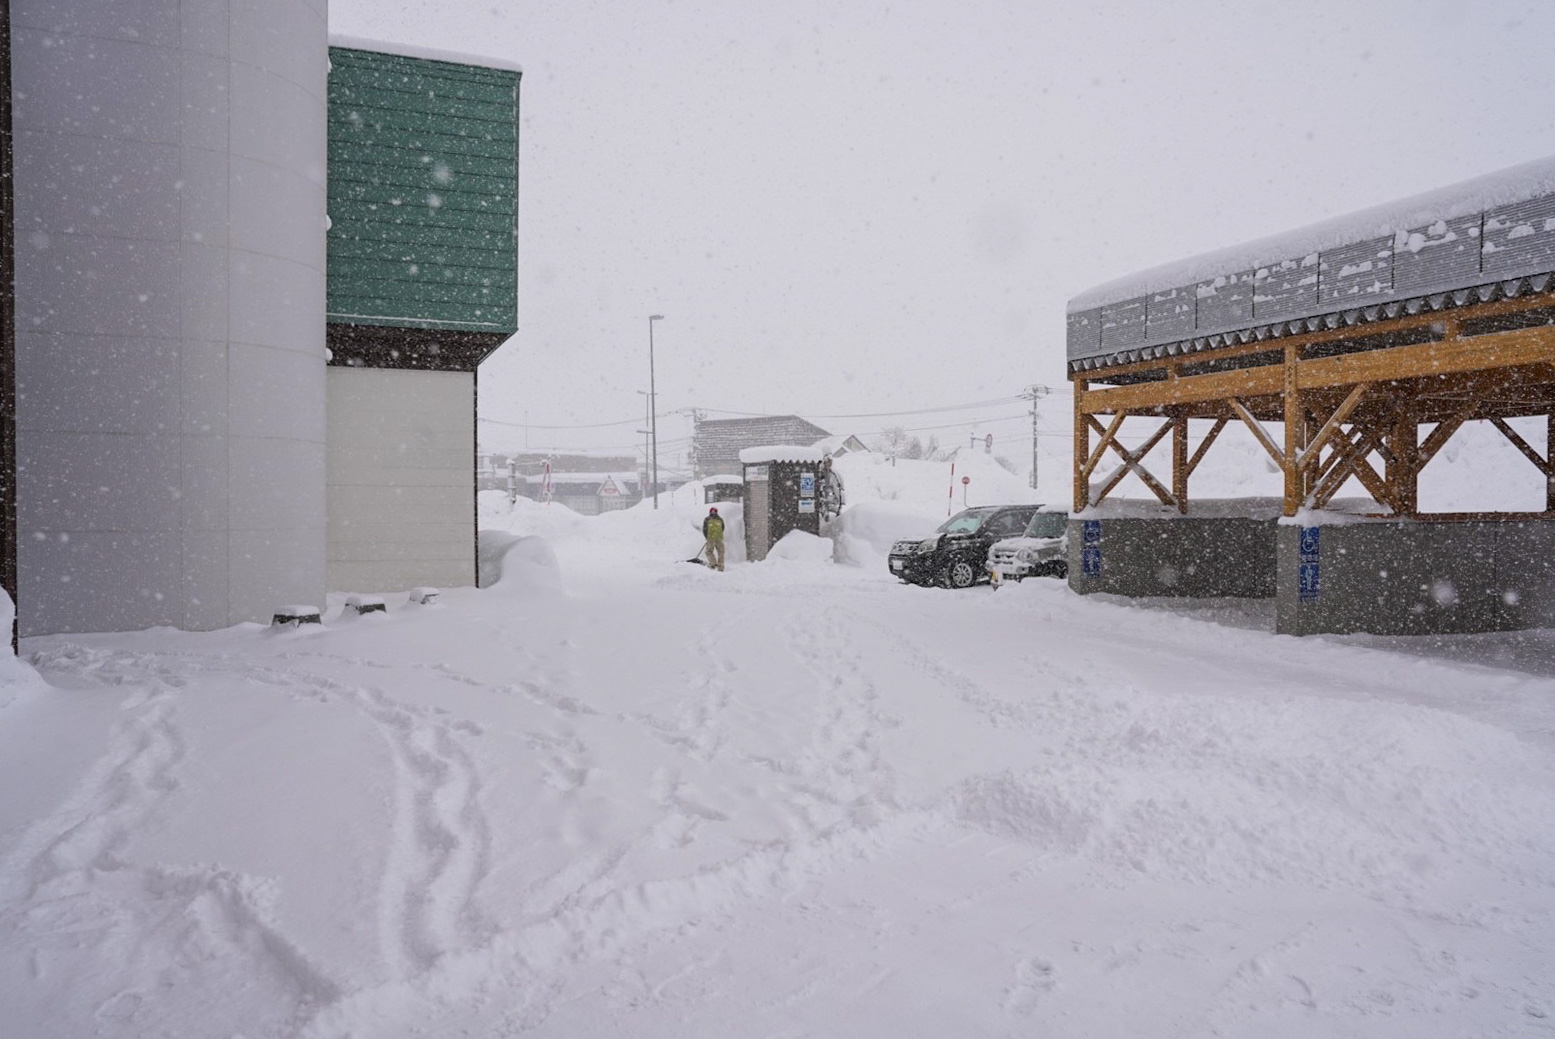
pixel 1186 556
pixel 1417 578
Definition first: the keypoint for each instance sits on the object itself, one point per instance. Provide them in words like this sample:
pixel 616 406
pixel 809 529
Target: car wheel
pixel 959 574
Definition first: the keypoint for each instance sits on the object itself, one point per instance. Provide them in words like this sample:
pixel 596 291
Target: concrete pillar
pixel 170 176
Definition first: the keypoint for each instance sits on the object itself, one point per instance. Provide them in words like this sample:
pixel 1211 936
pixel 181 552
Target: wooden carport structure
pixel 1352 351
pixel 1366 394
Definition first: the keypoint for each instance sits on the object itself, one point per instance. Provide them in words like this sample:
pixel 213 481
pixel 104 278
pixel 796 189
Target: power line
pixel 766 414
pixel 536 425
pixel 880 414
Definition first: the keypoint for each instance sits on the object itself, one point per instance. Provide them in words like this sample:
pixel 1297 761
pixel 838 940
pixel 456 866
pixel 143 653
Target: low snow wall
pixel 1186 556
pixel 1416 577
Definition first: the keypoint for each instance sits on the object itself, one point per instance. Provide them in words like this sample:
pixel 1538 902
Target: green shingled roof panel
pixel 423 193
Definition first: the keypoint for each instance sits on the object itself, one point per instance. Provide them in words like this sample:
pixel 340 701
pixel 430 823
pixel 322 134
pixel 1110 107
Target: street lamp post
pixel 653 403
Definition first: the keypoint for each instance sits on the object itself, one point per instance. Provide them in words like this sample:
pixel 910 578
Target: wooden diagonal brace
pixel 1209 438
pixel 1131 463
pixel 1445 429
pixel 1348 465
pixel 1259 433
pixel 1337 419
pixel 1108 439
pixel 1546 466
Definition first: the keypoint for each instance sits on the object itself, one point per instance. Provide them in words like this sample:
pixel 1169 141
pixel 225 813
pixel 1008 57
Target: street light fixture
pixel 653 403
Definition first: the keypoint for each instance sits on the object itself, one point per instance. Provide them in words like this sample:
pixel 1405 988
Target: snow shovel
pixel 697 559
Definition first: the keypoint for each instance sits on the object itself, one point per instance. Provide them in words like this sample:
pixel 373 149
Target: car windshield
pixel 1047 525
pixel 968 522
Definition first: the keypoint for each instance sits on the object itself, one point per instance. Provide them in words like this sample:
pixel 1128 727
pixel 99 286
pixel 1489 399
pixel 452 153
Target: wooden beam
pixel 1267 381
pixel 1444 357
pixel 1544 465
pixel 1259 433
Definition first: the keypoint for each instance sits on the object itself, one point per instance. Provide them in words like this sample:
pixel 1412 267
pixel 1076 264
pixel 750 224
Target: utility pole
pixel 646 431
pixel 653 406
pixel 1034 393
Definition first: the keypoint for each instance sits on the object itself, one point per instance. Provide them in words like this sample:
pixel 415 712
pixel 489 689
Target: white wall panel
pixel 401 479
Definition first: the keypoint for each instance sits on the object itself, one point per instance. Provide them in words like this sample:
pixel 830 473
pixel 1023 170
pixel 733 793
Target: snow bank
pixel 798 546
pixel 517 563
pixel 876 525
pixel 15 676
pixel 927 485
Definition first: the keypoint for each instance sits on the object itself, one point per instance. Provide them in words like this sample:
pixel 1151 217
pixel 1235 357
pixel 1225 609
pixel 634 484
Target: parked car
pixel 1042 550
pixel 956 554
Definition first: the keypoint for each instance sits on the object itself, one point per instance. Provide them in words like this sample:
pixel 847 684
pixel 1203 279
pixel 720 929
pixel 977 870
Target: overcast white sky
pixel 845 207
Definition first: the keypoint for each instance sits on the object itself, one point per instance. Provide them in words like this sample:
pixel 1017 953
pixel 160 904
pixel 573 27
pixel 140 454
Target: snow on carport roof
pixel 1504 187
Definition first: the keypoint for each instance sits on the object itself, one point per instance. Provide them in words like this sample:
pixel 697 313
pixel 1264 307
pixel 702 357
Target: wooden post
pixel 1082 449
pixel 1549 458
pixel 1403 465
pixel 1295 430
pixel 1180 459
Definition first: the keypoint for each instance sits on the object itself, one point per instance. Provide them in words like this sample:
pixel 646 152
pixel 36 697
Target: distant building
pixel 837 446
pixel 717 443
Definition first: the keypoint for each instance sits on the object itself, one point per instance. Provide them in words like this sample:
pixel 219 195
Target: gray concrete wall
pixel 170 209
pixel 1419 578
pixel 1186 556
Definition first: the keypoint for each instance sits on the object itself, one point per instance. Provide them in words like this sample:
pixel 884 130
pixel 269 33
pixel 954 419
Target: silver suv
pixel 1042 549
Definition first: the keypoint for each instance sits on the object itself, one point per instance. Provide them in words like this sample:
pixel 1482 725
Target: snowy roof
pixel 841 444
pixel 719 441
pixel 722 478
pixel 781 453
pixel 587 479
pixel 415 50
pixel 1504 187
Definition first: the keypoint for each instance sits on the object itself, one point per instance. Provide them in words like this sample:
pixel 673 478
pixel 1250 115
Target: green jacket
pixel 713 528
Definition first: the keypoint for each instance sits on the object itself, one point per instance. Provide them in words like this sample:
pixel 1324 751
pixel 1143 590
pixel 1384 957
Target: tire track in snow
pixel 842 776
pixel 98 930
pixel 440 851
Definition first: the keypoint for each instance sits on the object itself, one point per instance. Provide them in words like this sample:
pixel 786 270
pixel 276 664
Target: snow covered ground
pixel 618 794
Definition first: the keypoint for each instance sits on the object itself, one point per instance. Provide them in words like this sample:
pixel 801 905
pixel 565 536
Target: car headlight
pixel 1025 555
pixel 927 546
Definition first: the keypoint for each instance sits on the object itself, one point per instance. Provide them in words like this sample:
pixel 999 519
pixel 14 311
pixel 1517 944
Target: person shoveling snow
pixel 713 532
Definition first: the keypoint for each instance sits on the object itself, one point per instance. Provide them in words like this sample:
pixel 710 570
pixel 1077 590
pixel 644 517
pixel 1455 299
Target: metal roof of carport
pixel 1482 239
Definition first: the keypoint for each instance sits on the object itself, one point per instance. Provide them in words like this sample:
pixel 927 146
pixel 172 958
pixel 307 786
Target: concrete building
pixel 193 443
